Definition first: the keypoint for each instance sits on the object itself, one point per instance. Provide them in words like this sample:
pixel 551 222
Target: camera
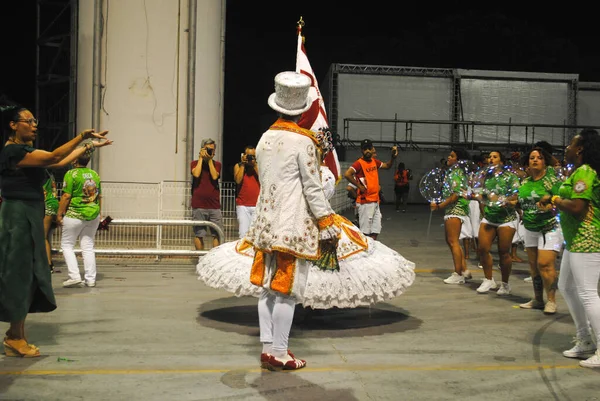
pixel 209 151
pixel 250 158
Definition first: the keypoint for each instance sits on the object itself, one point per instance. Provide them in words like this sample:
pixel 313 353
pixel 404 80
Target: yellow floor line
pixel 474 272
pixel 323 369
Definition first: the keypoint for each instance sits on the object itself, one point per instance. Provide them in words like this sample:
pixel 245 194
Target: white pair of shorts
pixel 550 241
pixel 466 231
pixel 512 224
pixel 369 218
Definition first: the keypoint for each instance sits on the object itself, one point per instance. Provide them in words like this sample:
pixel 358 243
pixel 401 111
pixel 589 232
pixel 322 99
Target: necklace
pixel 15 142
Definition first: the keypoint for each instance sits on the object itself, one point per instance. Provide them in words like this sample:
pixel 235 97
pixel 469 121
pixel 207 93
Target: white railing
pixel 167 201
pixel 157 251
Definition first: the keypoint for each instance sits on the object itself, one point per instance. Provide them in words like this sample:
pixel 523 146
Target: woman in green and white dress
pixel 79 215
pixel 578 201
pixel 543 236
pixel 456 213
pixel 499 220
pixel 51 199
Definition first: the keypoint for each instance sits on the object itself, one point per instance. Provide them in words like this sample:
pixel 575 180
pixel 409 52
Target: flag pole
pixel 315 118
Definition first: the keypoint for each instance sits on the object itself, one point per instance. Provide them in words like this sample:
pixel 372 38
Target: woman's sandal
pixel 28 343
pixel 20 348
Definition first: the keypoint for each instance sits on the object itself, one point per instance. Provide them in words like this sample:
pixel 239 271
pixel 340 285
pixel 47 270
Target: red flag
pixel 315 118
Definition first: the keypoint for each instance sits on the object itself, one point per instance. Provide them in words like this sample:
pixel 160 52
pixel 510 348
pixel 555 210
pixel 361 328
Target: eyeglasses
pixel 29 121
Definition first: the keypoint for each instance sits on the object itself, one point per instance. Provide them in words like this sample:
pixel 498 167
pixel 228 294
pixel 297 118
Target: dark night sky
pixel 261 41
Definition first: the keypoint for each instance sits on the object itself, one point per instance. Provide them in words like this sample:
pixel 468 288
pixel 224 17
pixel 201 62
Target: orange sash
pixel 285 125
pixel 283 279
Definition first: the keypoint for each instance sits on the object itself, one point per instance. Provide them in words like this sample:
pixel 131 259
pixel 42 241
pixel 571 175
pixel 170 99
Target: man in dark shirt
pixel 206 198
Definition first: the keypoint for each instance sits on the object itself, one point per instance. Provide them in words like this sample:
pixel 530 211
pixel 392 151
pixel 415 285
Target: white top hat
pixel 291 93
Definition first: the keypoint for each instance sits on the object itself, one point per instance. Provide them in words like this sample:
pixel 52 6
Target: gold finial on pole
pixel 299 26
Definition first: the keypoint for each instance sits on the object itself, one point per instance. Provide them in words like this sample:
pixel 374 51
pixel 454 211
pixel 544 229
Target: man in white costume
pixel 292 218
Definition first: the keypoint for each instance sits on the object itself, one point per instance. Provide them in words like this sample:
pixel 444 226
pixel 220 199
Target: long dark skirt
pixel 25 280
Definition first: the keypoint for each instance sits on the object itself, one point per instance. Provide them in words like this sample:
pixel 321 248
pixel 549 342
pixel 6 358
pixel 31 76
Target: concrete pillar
pixel 144 60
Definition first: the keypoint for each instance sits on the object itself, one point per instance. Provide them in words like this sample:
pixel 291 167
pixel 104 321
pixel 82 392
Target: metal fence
pixel 167 200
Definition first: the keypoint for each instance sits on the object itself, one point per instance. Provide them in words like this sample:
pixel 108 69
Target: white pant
pixel 275 317
pixel 85 231
pixel 245 214
pixel 578 283
pixel 369 218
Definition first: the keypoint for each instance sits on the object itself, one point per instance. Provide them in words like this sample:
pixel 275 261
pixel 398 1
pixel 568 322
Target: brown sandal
pixel 28 343
pixel 20 348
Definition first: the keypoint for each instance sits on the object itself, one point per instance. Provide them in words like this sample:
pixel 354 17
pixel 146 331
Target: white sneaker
pixel 480 265
pixel 528 279
pixel 90 283
pixel 533 304
pixel 550 308
pixel 467 275
pixel 487 285
pixel 504 289
pixel 592 362
pixel 584 347
pixel 70 283
pixel 455 278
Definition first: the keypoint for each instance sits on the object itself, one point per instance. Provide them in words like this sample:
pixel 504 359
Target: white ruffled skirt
pixel 374 274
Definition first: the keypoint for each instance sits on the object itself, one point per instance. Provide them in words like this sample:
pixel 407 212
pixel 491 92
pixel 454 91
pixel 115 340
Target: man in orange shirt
pixel 369 215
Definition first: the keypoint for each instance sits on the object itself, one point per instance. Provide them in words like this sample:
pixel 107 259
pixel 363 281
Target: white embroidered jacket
pixel 291 196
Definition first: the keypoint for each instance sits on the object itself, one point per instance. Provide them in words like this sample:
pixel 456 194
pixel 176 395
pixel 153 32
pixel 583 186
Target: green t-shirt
pixel 455 182
pixel 582 236
pixel 83 184
pixel 50 196
pixel 503 185
pixel 530 192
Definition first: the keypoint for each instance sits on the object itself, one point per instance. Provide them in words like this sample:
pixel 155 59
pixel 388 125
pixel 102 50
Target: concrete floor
pixel 153 332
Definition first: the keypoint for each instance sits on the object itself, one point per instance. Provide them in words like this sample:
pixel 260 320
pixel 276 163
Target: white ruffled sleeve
pixel 328 181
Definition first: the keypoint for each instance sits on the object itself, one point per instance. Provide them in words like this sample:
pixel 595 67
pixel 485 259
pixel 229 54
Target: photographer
pixel 206 198
pixel 245 174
